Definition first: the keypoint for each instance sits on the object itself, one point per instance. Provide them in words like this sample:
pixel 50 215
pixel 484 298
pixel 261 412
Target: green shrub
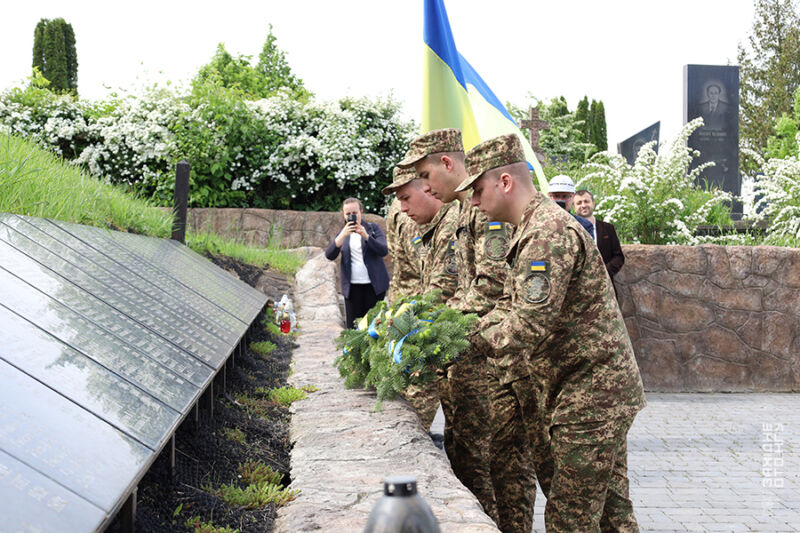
pixel 196 525
pixel 263 348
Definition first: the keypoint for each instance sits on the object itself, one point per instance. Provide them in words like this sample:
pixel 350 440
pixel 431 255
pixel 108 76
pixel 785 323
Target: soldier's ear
pixel 506 182
pixel 447 161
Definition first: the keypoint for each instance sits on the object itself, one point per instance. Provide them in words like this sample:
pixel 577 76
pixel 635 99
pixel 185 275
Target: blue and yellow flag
pixel 455 96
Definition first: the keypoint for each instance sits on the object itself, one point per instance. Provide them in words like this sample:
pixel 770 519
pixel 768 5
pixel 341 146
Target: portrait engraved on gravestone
pixel 712 92
pixel 629 148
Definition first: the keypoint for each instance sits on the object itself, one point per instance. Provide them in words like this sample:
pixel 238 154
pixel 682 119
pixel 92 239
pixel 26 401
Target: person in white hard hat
pixel 561 190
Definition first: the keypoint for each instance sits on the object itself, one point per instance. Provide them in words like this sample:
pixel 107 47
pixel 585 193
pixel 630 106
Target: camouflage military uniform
pixel 565 364
pixel 434 244
pixel 400 230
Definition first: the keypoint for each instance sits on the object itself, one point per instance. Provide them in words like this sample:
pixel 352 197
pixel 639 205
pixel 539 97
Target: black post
pixel 181 201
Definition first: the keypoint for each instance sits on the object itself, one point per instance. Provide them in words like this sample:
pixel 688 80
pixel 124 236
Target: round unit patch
pixel 536 288
pixel 496 247
pixel 451 266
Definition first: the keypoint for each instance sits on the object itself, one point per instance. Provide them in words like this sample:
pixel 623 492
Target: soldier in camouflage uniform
pixel 400 230
pixel 480 245
pixel 432 244
pixel 561 354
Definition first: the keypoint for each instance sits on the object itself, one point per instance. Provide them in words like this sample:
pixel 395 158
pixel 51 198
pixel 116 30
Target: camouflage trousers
pixel 425 401
pixel 511 458
pixel 583 472
pixel 463 391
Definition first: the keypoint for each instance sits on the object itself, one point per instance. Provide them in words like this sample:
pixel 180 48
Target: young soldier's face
pixel 437 178
pixel 416 203
pixel 487 197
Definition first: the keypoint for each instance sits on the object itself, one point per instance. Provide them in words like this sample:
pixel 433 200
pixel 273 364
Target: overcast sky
pixel 628 53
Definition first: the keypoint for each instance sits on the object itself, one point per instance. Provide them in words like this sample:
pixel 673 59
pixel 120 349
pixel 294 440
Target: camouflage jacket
pixel 562 327
pixel 437 251
pixel 400 230
pixel 481 247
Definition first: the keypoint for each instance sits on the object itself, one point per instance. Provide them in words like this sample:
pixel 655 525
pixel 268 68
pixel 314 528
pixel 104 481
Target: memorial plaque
pixel 91 340
pixel 179 331
pixel 712 92
pixel 629 148
pixel 103 315
pixel 129 282
pixel 65 442
pixel 34 502
pixel 87 383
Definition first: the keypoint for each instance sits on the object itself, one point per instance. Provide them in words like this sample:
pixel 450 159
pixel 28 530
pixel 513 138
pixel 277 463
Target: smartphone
pixel 351 218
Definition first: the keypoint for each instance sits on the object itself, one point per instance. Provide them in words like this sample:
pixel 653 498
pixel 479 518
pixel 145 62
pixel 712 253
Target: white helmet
pixel 561 183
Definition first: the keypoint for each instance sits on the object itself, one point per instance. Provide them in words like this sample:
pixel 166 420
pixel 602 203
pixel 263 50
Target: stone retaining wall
pixel 705 318
pixel 713 318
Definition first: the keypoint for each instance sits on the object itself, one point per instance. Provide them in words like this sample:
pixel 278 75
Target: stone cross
pixel 534 125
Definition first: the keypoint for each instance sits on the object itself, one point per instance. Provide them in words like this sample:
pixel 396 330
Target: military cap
pixel 494 153
pixel 433 142
pixel 401 176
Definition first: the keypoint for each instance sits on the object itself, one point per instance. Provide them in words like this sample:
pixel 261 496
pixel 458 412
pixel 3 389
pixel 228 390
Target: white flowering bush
pixel 776 190
pixel 274 153
pixel 58 122
pixel 655 200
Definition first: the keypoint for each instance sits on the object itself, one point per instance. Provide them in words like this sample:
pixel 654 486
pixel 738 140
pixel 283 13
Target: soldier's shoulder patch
pixel 495 241
pixel 536 288
pixel 450 263
pixel 417 243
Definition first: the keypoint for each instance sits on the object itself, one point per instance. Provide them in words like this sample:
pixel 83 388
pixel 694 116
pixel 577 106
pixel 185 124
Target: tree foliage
pixel 769 70
pixel 54 54
pixel 269 76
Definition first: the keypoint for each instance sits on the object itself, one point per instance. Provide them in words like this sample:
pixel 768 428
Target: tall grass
pixel 37 183
pixel 34 182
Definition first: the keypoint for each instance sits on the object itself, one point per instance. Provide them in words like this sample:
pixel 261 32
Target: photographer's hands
pixel 347 230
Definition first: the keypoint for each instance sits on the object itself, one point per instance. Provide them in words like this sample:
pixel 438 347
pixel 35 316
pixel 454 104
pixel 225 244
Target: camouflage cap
pixel 433 142
pixel 401 176
pixel 494 153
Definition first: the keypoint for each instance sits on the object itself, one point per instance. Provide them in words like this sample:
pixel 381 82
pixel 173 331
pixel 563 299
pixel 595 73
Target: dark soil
pixel 205 457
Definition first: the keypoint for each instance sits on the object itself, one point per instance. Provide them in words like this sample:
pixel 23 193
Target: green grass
pixel 234 434
pixel 284 395
pixel 257 473
pixel 272 256
pixel 196 525
pixel 36 183
pixel 263 348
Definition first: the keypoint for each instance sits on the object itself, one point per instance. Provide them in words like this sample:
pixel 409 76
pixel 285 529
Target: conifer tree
pixel 599 136
pixel 769 70
pixel 582 114
pixel 54 54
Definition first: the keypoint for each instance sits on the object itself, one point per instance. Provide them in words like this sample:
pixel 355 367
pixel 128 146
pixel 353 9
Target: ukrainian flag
pixel 455 96
pixel 538 266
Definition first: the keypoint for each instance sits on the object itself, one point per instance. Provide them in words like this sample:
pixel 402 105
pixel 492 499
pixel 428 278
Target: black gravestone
pixel 712 92
pixel 629 148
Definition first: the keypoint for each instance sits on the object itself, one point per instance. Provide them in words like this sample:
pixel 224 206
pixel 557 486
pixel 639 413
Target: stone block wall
pixel 701 318
pixel 713 318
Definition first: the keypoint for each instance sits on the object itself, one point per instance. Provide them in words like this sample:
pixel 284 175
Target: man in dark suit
pixel 363 273
pixel 714 110
pixel 604 234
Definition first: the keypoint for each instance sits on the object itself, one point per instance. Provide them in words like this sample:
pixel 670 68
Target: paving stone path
pixel 711 462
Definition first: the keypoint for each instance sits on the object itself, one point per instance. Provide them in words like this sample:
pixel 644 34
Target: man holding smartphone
pixel 364 278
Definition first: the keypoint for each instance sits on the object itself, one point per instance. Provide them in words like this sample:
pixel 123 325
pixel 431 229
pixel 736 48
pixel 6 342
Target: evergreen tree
pixel 582 114
pixel 769 70
pixel 54 54
pixel 274 68
pixel 599 135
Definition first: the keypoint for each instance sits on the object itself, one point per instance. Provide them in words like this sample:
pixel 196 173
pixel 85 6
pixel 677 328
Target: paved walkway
pixel 712 462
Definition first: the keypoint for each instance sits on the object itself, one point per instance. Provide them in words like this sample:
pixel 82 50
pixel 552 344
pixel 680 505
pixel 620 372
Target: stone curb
pixel 342 448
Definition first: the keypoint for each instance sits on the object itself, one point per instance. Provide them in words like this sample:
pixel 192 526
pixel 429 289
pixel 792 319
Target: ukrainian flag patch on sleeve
pixel 495 226
pixel 538 266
